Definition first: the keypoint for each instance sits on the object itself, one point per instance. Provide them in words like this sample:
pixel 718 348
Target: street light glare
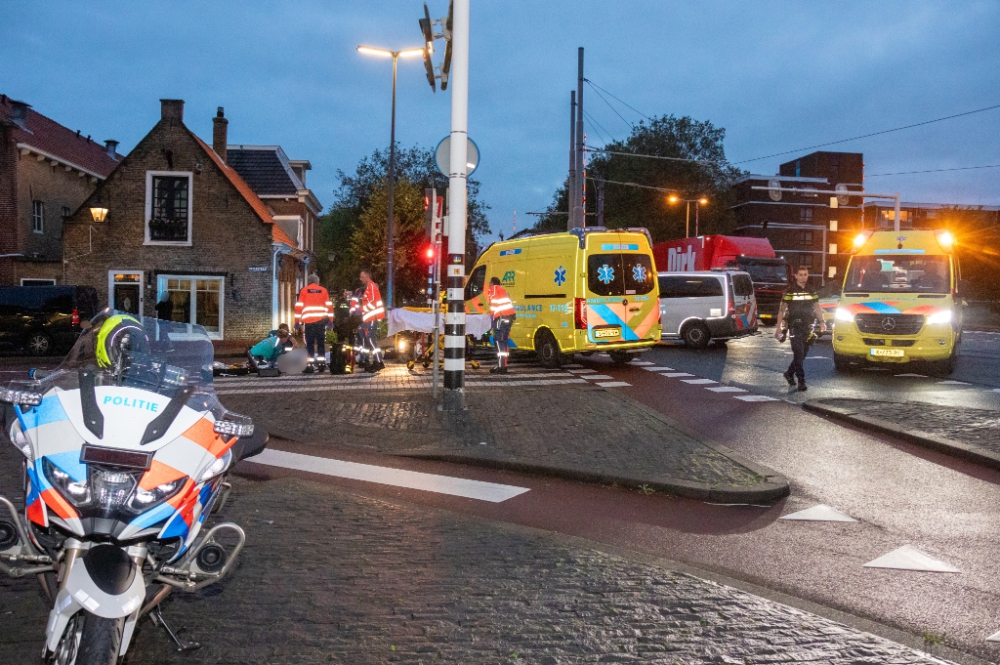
pixel 703 201
pixel 672 198
pixel 411 52
pixel 372 50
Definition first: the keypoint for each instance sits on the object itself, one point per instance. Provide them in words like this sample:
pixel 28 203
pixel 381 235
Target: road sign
pixel 442 156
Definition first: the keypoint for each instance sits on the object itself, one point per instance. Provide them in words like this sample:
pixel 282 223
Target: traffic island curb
pixel 928 440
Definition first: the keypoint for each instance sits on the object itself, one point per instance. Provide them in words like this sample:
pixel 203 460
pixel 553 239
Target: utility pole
pixel 579 213
pixel 454 323
pixel 571 185
pixel 600 201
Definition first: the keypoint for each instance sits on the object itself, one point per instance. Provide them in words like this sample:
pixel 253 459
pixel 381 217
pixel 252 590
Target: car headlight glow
pixel 944 316
pixel 844 315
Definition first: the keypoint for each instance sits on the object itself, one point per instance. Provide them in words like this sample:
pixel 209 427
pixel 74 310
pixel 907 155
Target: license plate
pixel 606 332
pixel 890 353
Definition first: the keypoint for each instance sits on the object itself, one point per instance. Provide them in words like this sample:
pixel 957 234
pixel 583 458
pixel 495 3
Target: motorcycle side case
pixel 103 583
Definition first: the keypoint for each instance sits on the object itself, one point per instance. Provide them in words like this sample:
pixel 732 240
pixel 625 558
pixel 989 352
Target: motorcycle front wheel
pixel 89 640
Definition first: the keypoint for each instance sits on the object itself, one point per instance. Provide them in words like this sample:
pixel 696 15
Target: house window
pixel 38 217
pixel 806 260
pixel 168 208
pixel 806 215
pixel 806 239
pixel 197 299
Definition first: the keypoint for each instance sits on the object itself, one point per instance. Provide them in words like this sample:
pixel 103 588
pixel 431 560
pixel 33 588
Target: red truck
pixel 752 255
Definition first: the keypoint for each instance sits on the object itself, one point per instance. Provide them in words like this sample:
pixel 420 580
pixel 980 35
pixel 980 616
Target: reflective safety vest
pixel 372 308
pixel 500 304
pixel 313 304
pixel 355 304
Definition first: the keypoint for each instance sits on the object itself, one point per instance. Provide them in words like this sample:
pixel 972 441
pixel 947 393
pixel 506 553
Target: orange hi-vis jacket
pixel 372 308
pixel 313 304
pixel 500 304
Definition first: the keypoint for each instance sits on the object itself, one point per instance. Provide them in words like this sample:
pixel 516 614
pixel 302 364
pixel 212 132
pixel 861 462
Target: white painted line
pixel 598 377
pixel 641 363
pixel 819 513
pixel 657 368
pixel 755 398
pixel 910 558
pixel 397 385
pixel 953 383
pixel 995 637
pixel 428 482
pixel 484 382
pixel 726 389
pixel 817 357
pixel 514 376
pixel 612 384
pixel 674 375
pixel 698 382
pixel 582 371
pixel 996 390
pixel 573 365
pixel 911 375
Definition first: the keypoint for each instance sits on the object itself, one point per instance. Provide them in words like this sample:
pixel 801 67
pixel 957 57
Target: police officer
pixel 502 311
pixel 798 314
pixel 372 311
pixel 314 311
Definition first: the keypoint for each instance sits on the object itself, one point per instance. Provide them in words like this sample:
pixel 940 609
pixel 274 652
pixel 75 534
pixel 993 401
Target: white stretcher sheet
pixel 404 319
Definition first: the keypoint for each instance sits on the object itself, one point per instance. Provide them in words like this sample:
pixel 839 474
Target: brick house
pixel 281 183
pixel 802 227
pixel 182 224
pixel 46 171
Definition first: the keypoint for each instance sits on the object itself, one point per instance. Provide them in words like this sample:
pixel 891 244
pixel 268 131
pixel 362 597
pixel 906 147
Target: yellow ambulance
pixel 901 301
pixel 582 291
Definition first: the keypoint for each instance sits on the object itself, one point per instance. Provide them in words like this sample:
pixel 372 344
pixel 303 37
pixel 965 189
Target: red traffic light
pixel 429 254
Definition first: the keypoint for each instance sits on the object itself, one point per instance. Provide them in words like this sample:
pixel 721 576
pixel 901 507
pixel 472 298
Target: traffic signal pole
pixel 454 323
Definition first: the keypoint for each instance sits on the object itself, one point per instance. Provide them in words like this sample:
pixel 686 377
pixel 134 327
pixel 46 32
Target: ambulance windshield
pixel 899 273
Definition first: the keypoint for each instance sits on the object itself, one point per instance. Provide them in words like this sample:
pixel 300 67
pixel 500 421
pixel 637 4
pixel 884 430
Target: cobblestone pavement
pixel 577 428
pixel 332 577
pixel 975 427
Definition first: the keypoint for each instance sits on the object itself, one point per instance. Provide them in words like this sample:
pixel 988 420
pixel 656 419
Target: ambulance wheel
pixel 696 335
pixel 547 349
pixel 620 357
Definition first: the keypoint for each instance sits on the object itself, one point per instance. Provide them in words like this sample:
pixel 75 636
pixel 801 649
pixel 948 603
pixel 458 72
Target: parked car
pixel 699 307
pixel 43 319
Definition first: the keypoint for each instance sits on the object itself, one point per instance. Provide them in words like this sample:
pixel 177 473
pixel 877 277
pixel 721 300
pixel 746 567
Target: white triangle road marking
pixel 952 383
pixel 658 368
pixel 755 398
pixel 674 375
pixel 819 513
pixel 698 382
pixel 726 389
pixel 910 558
pixel 995 637
pixel 612 384
pixel 915 376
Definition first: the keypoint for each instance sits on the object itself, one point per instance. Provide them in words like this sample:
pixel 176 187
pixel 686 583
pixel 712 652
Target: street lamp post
pixel 687 218
pixel 395 55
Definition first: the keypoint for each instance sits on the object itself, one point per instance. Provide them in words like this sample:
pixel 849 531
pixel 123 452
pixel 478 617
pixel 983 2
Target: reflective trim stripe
pixel 454 364
pixel 454 342
pixel 454 318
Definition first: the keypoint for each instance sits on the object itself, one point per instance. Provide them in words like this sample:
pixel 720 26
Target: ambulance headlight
pixel 844 315
pixel 936 318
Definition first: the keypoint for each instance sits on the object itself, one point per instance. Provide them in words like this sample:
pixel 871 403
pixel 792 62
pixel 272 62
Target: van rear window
pixel 619 274
pixel 742 285
pixel 690 287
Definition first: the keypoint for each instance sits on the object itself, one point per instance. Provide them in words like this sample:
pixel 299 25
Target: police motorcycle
pixel 125 451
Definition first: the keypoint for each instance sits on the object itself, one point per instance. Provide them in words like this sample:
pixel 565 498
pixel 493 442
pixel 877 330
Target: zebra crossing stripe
pixel 698 382
pixel 674 375
pixel 726 389
pixel 598 377
pixel 612 384
pixel 755 398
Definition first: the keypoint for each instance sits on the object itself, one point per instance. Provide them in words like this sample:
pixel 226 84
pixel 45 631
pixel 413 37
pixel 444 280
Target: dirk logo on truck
pixel 681 260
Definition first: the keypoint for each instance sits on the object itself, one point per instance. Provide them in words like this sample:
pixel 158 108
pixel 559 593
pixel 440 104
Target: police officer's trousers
pixel 797 335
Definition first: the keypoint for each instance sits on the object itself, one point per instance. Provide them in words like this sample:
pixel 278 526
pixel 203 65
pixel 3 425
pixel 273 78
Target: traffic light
pixel 429 253
pixel 427 29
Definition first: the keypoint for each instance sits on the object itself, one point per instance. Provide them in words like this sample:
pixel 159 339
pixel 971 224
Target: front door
pixel 125 289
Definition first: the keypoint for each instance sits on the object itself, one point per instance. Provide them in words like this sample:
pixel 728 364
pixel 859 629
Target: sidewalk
pixel 970 434
pixel 568 428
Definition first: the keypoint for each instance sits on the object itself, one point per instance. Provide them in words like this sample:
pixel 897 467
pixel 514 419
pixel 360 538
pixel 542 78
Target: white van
pixel 704 306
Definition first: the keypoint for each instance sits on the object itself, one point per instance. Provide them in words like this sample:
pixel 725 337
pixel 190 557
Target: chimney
pixel 112 147
pixel 220 133
pixel 19 113
pixel 172 109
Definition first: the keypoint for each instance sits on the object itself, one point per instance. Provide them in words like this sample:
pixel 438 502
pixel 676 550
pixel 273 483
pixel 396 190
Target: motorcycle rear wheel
pixel 89 640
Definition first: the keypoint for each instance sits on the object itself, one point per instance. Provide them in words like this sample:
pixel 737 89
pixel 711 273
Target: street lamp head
pixel 703 200
pixel 673 198
pixel 99 214
pixel 372 50
pixel 411 52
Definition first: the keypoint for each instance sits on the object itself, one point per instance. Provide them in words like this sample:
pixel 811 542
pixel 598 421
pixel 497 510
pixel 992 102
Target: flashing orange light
pixel 860 240
pixel 946 240
pixel 703 200
pixel 672 198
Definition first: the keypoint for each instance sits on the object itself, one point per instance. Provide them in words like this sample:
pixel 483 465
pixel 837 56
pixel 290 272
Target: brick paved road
pixel 329 576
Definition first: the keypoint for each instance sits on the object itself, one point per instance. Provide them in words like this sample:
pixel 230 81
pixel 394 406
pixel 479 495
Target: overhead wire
pixel 600 129
pixel 959 168
pixel 630 125
pixel 594 85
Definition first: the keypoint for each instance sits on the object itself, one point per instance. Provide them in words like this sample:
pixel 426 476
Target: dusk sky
pixel 776 75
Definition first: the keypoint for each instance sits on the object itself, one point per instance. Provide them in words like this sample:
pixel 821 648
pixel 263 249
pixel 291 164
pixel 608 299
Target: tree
pixel 362 201
pixel 625 205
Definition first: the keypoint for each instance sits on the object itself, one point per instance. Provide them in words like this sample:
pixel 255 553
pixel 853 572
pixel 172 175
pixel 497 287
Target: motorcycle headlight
pixel 844 315
pixel 112 487
pixel 76 492
pixel 145 499
pixel 943 316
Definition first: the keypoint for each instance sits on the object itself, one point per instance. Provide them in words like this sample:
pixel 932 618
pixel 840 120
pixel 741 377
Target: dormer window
pixel 168 208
